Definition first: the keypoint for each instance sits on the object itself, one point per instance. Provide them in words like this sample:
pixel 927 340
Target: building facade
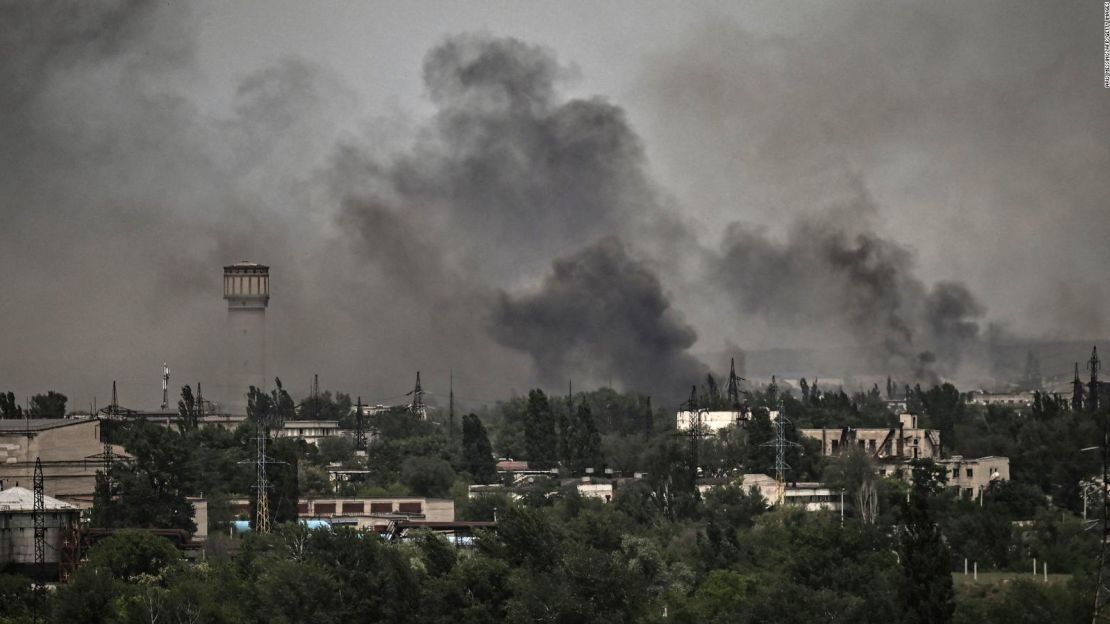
pixel 17 531
pixel 971 477
pixel 70 450
pixel 906 441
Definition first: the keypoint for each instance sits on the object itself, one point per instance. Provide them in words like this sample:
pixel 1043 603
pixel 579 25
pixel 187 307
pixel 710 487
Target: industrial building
pixel 711 421
pixel 71 452
pixel 906 441
pixel 311 431
pixel 366 513
pixel 247 291
pixel 971 477
pixel 807 496
pixel 17 531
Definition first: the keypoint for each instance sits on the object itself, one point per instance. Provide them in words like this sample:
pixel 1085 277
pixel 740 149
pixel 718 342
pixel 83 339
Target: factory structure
pixel 247 292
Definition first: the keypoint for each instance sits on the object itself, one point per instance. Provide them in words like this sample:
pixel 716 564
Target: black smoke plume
pixel 601 312
pixel 832 275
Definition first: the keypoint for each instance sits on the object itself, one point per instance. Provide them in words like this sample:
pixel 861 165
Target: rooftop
pixel 22 499
pixel 17 425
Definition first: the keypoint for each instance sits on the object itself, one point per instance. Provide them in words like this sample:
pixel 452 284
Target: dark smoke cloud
pixel 833 276
pixel 506 176
pixel 981 129
pixel 601 312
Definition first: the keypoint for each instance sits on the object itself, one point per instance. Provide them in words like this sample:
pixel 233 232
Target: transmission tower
pixel 1093 365
pixel 781 446
pixel 39 520
pixel 417 406
pixel 734 385
pixel 360 428
pixel 262 484
pixel 696 430
pixel 1076 392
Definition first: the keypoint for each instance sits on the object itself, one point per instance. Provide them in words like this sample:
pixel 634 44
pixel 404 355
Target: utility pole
pixel 1076 392
pixel 165 386
pixel 315 397
pixel 1093 365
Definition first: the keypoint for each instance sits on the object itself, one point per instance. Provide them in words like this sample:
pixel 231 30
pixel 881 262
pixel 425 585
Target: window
pixel 353 508
pixel 324 508
pixel 409 507
pixel 969 473
pixel 381 507
pixel 871 446
pixel 302 509
pixel 835 444
pixel 887 447
pixel 956 472
pixel 862 444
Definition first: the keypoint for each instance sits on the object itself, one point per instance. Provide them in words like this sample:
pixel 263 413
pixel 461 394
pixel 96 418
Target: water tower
pixel 247 291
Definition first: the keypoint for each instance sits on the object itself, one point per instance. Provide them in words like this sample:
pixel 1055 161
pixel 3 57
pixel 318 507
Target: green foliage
pixel 584 442
pixel 188 410
pixel 149 491
pixel 427 476
pixel 926 588
pixel 9 407
pixel 270 410
pixel 539 432
pixel 49 405
pixel 130 553
pixel 477 455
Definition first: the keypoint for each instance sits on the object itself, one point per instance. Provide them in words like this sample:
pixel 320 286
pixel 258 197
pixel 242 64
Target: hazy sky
pixel 428 178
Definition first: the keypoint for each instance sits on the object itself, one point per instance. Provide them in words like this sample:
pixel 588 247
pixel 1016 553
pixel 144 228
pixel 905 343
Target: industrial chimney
pixel 247 291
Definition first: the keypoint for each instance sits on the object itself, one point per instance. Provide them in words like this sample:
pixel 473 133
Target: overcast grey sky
pixel 909 177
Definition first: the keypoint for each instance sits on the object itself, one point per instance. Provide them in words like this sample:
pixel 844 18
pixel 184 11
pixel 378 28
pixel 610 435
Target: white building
pixel 971 477
pixel 712 421
pixel 311 431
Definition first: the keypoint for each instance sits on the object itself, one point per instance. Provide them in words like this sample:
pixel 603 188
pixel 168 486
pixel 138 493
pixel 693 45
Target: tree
pixel 188 410
pixel 150 490
pixel 270 410
pixel 926 590
pixel 539 432
pixel 8 406
pixel 427 476
pixel 129 553
pixel 49 405
pixel 477 455
pixel 585 442
pixel 854 472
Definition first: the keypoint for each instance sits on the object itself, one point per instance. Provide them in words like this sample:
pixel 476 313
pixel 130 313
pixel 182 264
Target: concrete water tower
pixel 247 291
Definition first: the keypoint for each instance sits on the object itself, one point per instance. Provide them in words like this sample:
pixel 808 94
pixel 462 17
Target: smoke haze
pixel 832 182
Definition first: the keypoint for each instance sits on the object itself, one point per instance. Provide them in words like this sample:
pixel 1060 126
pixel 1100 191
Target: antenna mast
pixel 165 386
pixel 1076 392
